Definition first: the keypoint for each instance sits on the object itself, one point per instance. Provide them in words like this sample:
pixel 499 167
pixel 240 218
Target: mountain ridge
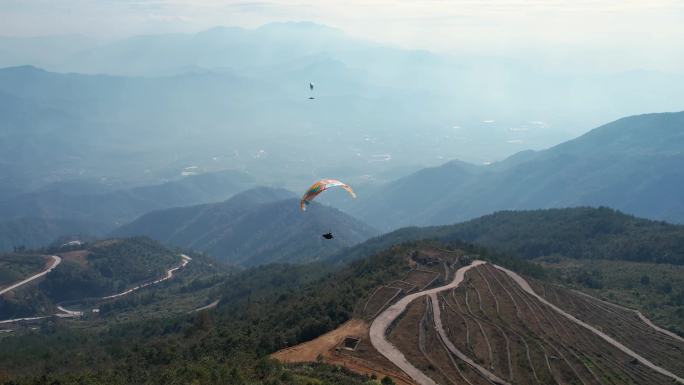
pixel 250 230
pixel 608 166
pixel 580 232
pixel 68 210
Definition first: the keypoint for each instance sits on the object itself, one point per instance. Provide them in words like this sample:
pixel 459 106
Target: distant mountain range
pixel 582 232
pixel 37 218
pixel 154 108
pixel 60 127
pixel 39 232
pixel 634 164
pixel 258 226
pixel 66 127
pixel 117 206
pixel 145 107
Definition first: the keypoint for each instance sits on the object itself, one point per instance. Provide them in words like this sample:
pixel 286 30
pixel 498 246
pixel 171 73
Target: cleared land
pixel 655 289
pixel 78 256
pixel 421 278
pixel 494 328
pixel 623 324
pixel 504 330
pixel 323 345
pixel 328 348
pixel 380 298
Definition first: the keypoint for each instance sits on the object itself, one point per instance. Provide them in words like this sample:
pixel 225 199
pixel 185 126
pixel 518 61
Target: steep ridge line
pixel 527 288
pixel 55 262
pixel 380 324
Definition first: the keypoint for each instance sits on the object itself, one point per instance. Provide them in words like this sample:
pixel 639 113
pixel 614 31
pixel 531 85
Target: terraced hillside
pixel 478 323
pixel 512 334
pixel 627 326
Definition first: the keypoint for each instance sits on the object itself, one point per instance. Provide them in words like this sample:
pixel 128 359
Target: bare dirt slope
pixel 323 345
pixel 493 326
pixel 482 324
pixel 326 348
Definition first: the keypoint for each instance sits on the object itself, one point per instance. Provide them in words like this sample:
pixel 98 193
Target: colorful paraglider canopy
pixel 319 187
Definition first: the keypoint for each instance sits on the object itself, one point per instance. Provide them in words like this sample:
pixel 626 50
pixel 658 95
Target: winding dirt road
pixel 382 322
pixel 652 325
pixel 169 274
pixel 639 314
pixel 55 261
pixel 527 288
pixel 66 313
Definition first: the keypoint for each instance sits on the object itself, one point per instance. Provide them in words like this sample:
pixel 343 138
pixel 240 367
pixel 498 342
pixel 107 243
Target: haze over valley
pixel 376 193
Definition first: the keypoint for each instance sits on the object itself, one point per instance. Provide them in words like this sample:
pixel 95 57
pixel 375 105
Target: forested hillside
pixel 96 269
pixel 111 208
pixel 583 232
pixel 15 266
pixel 263 309
pixel 632 164
pixel 107 267
pixel 258 226
pixel 33 233
pixel 656 289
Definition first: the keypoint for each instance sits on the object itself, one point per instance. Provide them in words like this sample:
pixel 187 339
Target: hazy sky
pixel 628 34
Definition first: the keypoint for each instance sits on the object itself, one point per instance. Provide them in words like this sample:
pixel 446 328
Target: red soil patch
pixel 364 360
pixel 78 256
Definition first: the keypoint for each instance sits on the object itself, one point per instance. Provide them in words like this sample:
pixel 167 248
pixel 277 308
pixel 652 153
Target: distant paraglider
pixel 311 88
pixel 319 187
